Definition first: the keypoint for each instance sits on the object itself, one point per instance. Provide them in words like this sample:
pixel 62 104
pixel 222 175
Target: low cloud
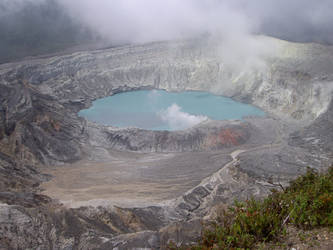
pixel 8 7
pixel 150 20
pixel 132 21
pixel 232 22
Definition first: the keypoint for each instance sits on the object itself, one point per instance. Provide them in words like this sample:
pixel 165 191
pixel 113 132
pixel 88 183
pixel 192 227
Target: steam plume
pixel 177 119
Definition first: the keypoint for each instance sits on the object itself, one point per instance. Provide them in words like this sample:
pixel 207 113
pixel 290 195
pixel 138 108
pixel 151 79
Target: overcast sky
pixel 62 22
pixel 146 20
pixel 149 20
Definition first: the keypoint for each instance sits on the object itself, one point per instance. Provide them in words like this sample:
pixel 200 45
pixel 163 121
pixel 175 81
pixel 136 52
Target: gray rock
pixel 39 125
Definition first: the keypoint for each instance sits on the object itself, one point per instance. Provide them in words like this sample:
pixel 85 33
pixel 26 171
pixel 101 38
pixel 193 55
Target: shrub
pixel 306 203
pixel 310 198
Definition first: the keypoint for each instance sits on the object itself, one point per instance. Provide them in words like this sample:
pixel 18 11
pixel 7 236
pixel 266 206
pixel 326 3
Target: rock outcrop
pixel 39 125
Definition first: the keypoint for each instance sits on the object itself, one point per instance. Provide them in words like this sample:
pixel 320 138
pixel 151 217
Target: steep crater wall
pixel 294 82
pixel 40 99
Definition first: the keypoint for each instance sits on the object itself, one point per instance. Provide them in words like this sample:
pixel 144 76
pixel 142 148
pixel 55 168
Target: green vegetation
pixel 307 203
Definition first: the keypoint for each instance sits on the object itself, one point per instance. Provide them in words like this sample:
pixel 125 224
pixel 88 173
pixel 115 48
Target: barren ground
pixel 131 178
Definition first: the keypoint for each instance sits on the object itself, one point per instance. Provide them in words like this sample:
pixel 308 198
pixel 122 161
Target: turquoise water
pixel 162 110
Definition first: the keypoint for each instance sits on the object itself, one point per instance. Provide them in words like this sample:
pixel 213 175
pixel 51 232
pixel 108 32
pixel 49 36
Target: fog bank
pixel 32 27
pixel 150 20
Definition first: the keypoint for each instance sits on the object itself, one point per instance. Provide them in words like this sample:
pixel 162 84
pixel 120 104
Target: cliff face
pixel 294 83
pixel 294 78
pixel 40 99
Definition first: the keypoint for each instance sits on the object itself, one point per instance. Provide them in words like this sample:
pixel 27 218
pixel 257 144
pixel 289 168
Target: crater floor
pixel 131 179
pixel 39 125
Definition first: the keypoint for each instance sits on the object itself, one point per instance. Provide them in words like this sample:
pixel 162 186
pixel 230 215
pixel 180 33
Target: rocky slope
pixel 39 126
